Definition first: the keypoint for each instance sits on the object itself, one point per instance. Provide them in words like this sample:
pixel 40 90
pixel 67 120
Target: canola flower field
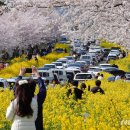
pixel 93 112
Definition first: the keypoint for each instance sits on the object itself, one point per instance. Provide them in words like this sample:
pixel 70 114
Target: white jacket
pixel 22 123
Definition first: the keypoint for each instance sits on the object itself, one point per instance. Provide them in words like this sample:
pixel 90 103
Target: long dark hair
pixel 32 85
pixel 24 99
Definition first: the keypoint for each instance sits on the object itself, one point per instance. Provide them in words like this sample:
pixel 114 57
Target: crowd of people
pixel 30 51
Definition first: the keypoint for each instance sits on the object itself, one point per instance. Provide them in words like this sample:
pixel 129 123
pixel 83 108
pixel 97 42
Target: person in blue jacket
pixel 40 97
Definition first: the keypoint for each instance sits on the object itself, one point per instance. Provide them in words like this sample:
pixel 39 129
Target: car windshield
pixel 69 58
pixel 63 61
pixel 81 63
pixel 95 69
pixel 58 64
pixel 85 57
pixel 83 76
pixel 105 66
pixel 49 66
pixel 112 56
pixel 111 69
pixel 45 68
pixel 87 62
pixel 72 65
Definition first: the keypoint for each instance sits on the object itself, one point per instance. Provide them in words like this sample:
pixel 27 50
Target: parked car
pixel 3 83
pixel 116 72
pixel 104 66
pixel 70 59
pixel 112 57
pixel 81 51
pixel 94 70
pixel 46 75
pixel 127 75
pixel 76 46
pixel 95 49
pixel 75 66
pixel 64 61
pixel 117 52
pixel 61 74
pixel 83 76
pixel 74 70
pixel 110 69
pixel 70 72
pixel 84 66
pixel 86 57
pixel 106 52
pixel 95 56
pixel 111 79
pixel 59 65
pixel 90 57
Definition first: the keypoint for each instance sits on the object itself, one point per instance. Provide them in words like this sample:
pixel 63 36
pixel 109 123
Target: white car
pixel 61 74
pixel 94 70
pixel 45 75
pixel 112 57
pixel 117 52
pixel 59 65
pixel 86 57
pixel 70 59
pixel 81 62
pixel 75 66
pixel 83 76
pixel 64 61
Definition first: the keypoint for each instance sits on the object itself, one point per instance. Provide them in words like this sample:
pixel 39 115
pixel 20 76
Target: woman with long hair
pixel 40 97
pixel 23 109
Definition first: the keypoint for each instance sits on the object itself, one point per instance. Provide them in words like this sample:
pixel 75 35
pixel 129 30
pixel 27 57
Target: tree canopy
pixel 32 21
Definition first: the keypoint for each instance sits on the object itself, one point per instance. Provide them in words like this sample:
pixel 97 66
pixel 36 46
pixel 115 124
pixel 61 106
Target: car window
pixel 58 64
pixel 56 72
pixel 60 73
pixel 76 72
pixel 44 74
pixel 50 66
pixel 84 76
pixel 85 57
pixel 105 65
pixel 71 65
pixel 63 61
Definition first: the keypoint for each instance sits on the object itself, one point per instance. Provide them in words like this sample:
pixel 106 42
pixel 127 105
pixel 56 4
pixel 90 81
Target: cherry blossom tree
pixel 33 21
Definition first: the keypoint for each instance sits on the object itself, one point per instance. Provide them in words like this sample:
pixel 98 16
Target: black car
pixel 116 72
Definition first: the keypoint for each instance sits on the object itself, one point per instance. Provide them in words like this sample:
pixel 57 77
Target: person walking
pixel 23 109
